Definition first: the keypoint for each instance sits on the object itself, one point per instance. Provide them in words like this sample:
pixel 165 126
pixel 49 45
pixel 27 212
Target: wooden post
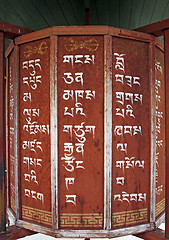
pixel 2 137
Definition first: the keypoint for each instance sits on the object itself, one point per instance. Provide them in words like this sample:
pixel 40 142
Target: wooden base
pixel 14 232
pixel 157 234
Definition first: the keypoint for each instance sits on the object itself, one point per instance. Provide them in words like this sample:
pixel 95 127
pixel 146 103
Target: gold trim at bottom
pixel 36 215
pixel 88 220
pixel 130 217
pixel 160 207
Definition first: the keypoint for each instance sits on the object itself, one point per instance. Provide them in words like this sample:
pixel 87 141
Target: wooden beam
pixel 2 136
pixel 11 31
pixel 157 28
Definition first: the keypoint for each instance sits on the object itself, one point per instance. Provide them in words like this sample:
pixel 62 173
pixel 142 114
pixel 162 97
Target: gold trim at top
pixel 39 49
pixel 88 220
pixel 91 45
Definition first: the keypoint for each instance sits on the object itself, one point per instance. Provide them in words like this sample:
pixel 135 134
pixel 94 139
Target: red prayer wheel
pixel 86 131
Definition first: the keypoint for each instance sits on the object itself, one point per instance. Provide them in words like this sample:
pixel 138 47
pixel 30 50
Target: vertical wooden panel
pixel 107 130
pixel 160 131
pixel 54 129
pixel 35 151
pixel 81 131
pixel 2 136
pixel 166 50
pixel 153 125
pixel 16 129
pixel 10 139
pixel 131 133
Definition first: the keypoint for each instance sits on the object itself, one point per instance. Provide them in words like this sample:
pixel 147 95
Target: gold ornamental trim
pixel 13 204
pixel 90 45
pixel 87 220
pixel 160 207
pixel 37 215
pixel 39 49
pixel 130 217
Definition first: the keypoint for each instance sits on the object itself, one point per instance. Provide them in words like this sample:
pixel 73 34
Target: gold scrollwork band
pixel 91 45
pixel 36 215
pixel 39 49
pixel 13 204
pixel 81 220
pixel 160 207
pixel 129 217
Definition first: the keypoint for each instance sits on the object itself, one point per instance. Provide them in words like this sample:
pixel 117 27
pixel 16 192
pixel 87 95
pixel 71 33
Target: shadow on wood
pixel 158 234
pixel 14 232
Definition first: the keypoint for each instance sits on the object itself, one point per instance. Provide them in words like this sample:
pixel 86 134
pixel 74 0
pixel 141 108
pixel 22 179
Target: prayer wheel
pixel 86 131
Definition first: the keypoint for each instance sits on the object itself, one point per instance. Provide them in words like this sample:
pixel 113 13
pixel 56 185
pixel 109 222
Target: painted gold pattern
pixel 129 217
pixel 91 45
pixel 39 49
pixel 37 215
pixel 81 220
pixel 160 207
pixel 13 204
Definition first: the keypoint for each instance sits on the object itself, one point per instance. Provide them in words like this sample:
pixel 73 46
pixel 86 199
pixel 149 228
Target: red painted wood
pixel 158 234
pixel 2 136
pixel 157 28
pixel 166 41
pixel 14 232
pixel 12 31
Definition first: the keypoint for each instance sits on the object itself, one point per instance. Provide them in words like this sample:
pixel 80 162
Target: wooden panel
pixel 160 131
pixel 81 128
pixel 11 155
pixel 131 133
pixel 35 132
pixel 166 50
pixel 2 137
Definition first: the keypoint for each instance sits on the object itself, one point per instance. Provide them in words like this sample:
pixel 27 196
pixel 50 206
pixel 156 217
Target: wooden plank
pixel 2 136
pixel 107 130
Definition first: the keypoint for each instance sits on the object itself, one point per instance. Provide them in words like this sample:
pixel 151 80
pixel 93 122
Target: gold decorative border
pixel 88 220
pixel 37 215
pixel 12 202
pixel 72 44
pixel 130 217
pixel 160 207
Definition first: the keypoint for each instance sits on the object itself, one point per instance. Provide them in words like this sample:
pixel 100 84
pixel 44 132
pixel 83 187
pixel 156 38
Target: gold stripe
pixel 160 207
pixel 81 220
pixel 37 215
pixel 129 217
